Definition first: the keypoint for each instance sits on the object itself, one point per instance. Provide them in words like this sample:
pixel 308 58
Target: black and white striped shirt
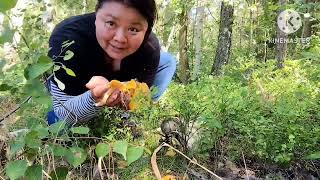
pixel 81 106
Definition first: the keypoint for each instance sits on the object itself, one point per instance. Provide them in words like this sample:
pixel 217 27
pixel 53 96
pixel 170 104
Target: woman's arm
pixel 81 106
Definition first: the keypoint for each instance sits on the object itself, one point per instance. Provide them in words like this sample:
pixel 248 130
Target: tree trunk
pixel 224 39
pixel 183 47
pixel 281 50
pixel 198 40
pixel 251 30
pixel 170 38
pixel 307 30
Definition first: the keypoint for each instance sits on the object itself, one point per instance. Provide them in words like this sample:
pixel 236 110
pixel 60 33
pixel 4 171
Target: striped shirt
pixel 82 107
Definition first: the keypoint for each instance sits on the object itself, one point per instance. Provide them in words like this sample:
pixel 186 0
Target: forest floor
pixel 169 164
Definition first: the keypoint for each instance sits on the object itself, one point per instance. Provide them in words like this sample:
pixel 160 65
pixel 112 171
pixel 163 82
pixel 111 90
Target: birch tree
pixel 200 15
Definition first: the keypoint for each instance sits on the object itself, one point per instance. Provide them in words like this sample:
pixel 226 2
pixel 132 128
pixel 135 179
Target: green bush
pixel 265 113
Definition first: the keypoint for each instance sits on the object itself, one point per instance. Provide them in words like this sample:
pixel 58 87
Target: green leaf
pixel 32 140
pixel 80 130
pixel 34 172
pixel 69 71
pixel 58 150
pixel 133 154
pixel 121 147
pixel 69 54
pixel 44 64
pixel 17 145
pixel 42 132
pixel 37 90
pixel 67 43
pixel 5 87
pixel 57 127
pixel 6 35
pixel 43 99
pixel 34 88
pixel 60 84
pixel 215 124
pixel 102 149
pixel 76 156
pixel 16 169
pixel 31 154
pixel 314 156
pixel 7 5
pixel 32 123
pixel 60 173
pixel 56 67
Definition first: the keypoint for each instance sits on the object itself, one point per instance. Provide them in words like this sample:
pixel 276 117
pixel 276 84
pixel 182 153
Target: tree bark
pixel 183 47
pixel 281 50
pixel 224 39
pixel 307 24
pixel 170 38
pixel 198 40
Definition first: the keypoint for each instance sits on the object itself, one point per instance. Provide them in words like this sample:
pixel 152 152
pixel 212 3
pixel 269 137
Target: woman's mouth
pixel 116 49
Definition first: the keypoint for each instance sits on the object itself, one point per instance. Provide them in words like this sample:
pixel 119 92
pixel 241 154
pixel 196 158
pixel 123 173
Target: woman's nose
pixel 120 36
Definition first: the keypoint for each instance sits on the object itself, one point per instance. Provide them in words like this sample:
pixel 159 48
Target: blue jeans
pixel 165 72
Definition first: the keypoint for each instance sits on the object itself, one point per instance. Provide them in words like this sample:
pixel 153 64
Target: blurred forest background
pixel 246 93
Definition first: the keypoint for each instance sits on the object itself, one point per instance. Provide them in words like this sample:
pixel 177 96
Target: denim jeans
pixel 165 72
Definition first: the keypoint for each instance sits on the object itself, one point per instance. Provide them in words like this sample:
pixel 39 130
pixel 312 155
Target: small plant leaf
pixel 76 156
pixel 314 156
pixel 60 173
pixel 42 132
pixel 44 64
pixel 34 172
pixel 133 154
pixel 57 127
pixel 32 123
pixel 16 169
pixel 5 87
pixel 56 68
pixel 69 54
pixel 80 130
pixel 32 140
pixel 7 5
pixel 58 150
pixel 69 71
pixel 102 149
pixel 67 43
pixel 59 83
pixel 121 147
pixel 17 145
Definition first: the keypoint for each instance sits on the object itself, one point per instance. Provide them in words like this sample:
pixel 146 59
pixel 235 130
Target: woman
pixel 115 42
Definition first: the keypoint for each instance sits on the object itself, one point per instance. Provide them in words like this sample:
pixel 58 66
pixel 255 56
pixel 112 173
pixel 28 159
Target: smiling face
pixel 120 30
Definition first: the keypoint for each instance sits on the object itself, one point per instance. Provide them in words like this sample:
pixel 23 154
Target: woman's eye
pixel 133 30
pixel 109 24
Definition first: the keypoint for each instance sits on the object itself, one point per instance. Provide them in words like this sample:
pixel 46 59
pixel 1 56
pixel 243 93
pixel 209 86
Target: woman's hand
pixel 99 86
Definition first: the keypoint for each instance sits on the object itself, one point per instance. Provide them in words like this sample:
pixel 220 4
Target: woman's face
pixel 120 30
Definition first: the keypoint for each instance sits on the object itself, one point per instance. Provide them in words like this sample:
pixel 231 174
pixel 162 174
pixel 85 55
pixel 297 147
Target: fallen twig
pixel 155 165
pixel 100 167
pixel 245 165
pixel 15 109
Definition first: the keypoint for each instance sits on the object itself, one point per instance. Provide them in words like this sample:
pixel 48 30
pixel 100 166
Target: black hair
pixel 147 8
